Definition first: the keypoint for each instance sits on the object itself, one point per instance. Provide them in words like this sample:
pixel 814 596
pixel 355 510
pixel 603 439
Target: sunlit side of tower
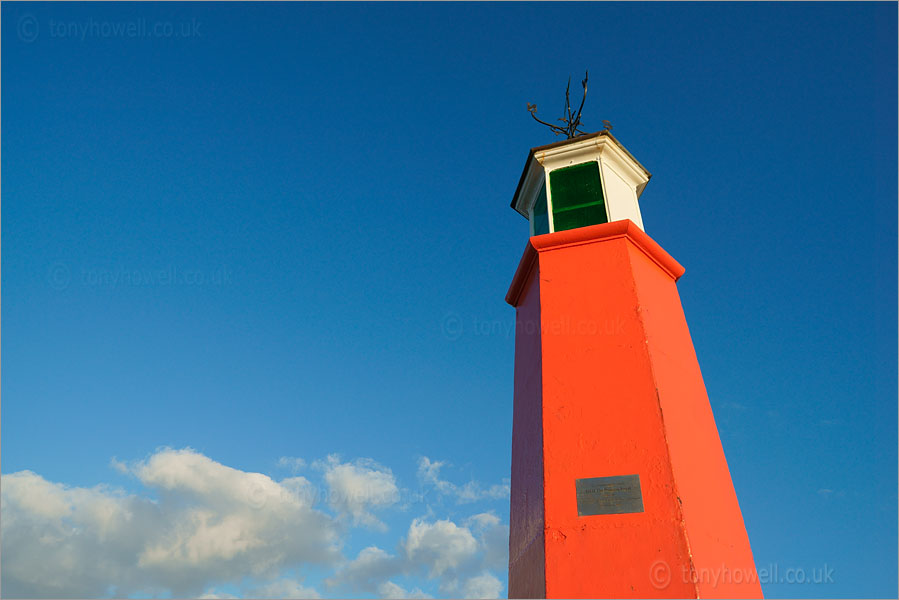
pixel 620 487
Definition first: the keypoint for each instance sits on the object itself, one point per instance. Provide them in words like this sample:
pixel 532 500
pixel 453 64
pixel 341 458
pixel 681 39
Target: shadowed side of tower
pixel 526 548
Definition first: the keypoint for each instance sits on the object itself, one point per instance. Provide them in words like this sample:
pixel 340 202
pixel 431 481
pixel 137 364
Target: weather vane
pixel 571 123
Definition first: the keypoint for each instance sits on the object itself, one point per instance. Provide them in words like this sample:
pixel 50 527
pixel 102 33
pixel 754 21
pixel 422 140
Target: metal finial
pixel 606 125
pixel 571 122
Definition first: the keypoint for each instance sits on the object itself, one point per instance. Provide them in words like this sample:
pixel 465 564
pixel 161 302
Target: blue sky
pixel 277 238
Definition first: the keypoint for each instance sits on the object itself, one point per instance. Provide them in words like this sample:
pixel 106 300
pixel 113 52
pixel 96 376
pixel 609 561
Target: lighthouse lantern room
pixel 586 180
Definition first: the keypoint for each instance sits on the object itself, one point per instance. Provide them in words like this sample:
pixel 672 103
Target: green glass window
pixel 577 197
pixel 541 218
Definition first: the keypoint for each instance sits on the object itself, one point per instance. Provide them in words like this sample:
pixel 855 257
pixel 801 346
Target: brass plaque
pixel 609 495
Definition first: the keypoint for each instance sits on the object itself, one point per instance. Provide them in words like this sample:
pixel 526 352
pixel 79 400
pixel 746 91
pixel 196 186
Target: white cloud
pixel 118 465
pixel 483 521
pixel 496 548
pixel 212 594
pixel 292 463
pixel 67 542
pixel 202 528
pixel 389 589
pixel 493 538
pixel 42 497
pixel 441 545
pixel 455 557
pixel 355 488
pixel 473 491
pixel 284 588
pixel 429 473
pixel 429 476
pixel 482 586
pixel 210 524
pixel 364 574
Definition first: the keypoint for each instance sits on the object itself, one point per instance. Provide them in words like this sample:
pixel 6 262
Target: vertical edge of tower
pixel 526 515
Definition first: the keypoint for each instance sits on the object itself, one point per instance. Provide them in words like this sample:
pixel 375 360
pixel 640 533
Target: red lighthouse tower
pixel 620 487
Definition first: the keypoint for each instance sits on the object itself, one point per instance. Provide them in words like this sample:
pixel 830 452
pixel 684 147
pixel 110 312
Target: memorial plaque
pixel 609 495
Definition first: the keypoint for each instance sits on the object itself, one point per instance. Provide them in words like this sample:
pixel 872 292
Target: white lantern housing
pixel 579 182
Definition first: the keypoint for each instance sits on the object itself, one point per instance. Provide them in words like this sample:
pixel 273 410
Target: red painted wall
pixel 621 394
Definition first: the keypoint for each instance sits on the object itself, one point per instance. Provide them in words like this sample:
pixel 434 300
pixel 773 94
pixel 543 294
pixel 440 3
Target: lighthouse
pixel 620 487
